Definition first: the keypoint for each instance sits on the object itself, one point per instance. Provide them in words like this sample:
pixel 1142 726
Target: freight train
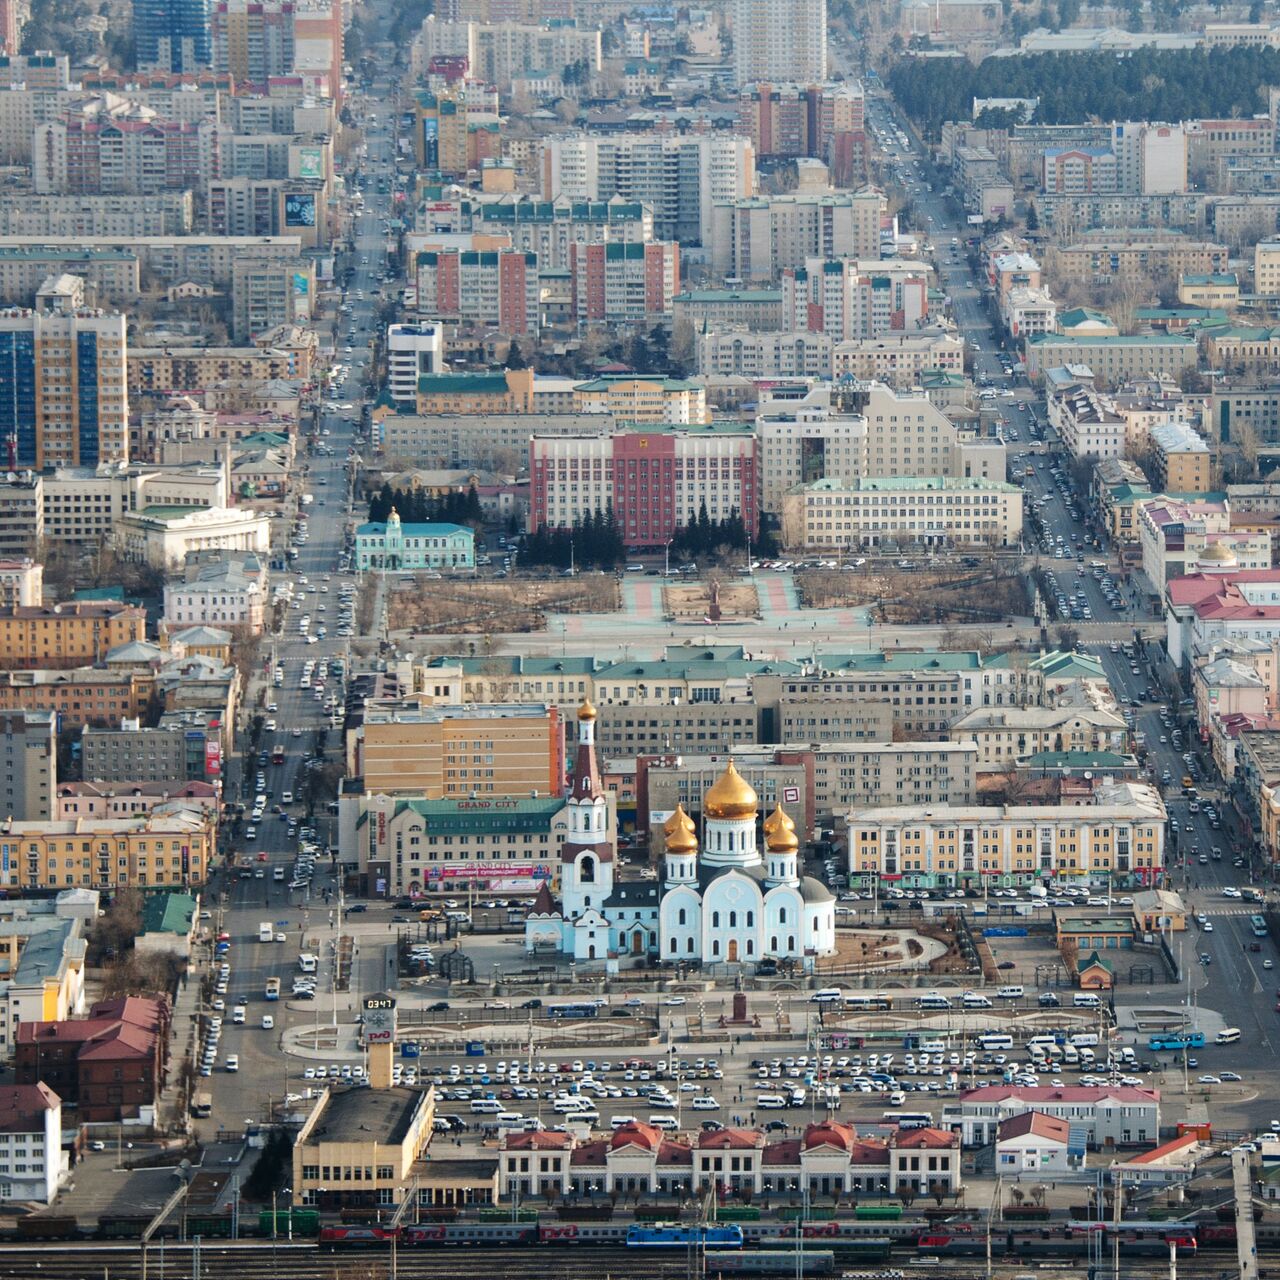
pixel 1077 1239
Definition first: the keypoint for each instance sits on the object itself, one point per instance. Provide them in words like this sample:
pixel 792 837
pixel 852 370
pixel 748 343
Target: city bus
pixel 1177 1040
pixel 573 1011
pixel 277 753
pixel 1259 926
pixel 273 989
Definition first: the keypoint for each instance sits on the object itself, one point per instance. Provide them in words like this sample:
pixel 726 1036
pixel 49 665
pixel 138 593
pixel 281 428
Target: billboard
pixel 301 285
pixel 310 162
pixel 300 209
pixel 431 143
pixel 212 757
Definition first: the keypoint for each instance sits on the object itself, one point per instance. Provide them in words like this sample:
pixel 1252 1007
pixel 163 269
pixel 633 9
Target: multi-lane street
pixel 307 917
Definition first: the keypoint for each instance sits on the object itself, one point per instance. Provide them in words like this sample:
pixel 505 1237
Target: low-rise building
pixel 159 849
pixel 83 695
pixel 1117 838
pixel 1003 734
pixel 1113 360
pixel 66 635
pixel 1181 459
pixel 840 515
pixel 132 752
pixel 33 1164
pixel 165 536
pixel 1106 1116
pixel 220 593
pixel 393 547
pixel 126 800
pixel 108 1067
pixel 900 361
pixel 409 845
pixel 360 1148
pixel 1087 422
pixel 1035 1143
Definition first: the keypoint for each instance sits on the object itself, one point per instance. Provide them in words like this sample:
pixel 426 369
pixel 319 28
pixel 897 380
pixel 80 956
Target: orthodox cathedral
pixel 718 903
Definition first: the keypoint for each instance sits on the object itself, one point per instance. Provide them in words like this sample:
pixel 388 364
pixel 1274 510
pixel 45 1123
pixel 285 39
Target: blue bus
pixel 1259 926
pixel 573 1010
pixel 1177 1040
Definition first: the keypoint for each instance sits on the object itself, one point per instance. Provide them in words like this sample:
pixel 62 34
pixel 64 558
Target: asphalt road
pixel 265 1072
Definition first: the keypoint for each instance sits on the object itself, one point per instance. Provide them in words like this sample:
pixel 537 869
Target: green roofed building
pixel 411 845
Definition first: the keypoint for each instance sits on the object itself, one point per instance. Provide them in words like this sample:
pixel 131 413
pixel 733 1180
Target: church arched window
pixel 733 919
pixel 782 915
pixel 751 919
pixel 673 946
pixel 587 870
pixel 791 942
pixel 715 947
pixel 689 946
pixel 680 916
pixel 773 943
pixel 751 947
pixel 715 919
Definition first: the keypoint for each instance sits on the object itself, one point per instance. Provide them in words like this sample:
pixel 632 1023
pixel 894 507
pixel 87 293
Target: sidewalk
pixel 184 1037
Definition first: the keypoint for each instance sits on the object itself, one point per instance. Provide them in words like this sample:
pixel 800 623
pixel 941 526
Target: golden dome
pixel 682 840
pixel 731 798
pixel 1217 552
pixel 780 832
pixel 679 821
pixel 586 711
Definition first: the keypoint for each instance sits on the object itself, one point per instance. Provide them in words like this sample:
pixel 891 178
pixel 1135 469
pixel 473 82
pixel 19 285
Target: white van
pixel 1086 1057
pixel 565 1106
pixel 616 1122
pixel 1010 993
pixel 1084 1039
pixel 973 1000
pixel 488 1107
pixel 770 1102
pixel 669 1123
pixel 307 963
pixel 1070 1055
pixel 828 995
pixel 1042 1042
pixel 1085 1000
pixel 1228 1035
pixel 933 1002
pixel 509 1120
pixel 932 1046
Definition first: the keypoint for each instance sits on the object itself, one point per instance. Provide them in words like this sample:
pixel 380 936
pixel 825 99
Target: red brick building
pixel 105 1067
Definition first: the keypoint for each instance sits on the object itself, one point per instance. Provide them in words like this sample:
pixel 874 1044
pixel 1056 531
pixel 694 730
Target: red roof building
pixel 108 1066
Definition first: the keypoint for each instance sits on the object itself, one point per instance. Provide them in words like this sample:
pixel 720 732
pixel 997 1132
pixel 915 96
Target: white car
pixel 674 1002
pixel 268 1022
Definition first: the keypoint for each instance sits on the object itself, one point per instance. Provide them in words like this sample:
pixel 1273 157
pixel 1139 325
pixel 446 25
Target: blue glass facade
pixel 18 395
pixel 173 35
pixel 87 397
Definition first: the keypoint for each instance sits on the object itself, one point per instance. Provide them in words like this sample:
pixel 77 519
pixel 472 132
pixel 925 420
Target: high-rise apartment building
pixel 172 35
pixel 253 40
pixel 28 766
pixel 681 176
pixel 779 40
pixel 494 287
pixel 63 398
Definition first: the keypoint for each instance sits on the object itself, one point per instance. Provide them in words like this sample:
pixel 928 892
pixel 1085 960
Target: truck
pixel 272 991
pixel 1177 1040
pixel 266 931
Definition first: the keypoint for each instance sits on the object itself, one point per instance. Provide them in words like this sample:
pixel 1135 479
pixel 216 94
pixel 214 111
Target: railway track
pixel 260 1260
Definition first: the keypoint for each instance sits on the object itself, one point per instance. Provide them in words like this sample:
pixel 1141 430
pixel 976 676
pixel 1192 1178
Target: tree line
pixel 1148 84
pixel 415 507
pixel 595 541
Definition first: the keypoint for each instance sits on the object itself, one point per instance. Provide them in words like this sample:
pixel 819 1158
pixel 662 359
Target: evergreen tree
pixel 1033 218
pixel 515 357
